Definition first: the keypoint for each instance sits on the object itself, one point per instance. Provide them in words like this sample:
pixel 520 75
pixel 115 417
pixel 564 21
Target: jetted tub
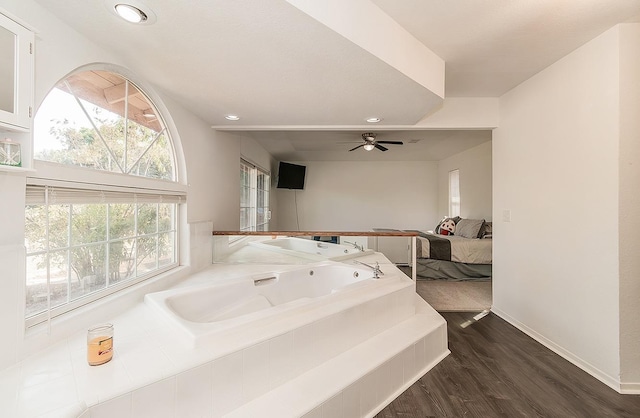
pixel 311 249
pixel 275 327
pixel 276 302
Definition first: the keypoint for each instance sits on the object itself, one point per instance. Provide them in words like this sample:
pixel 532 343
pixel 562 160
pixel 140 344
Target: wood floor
pixel 494 370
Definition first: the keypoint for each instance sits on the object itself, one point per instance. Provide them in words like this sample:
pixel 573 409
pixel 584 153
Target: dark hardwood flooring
pixel 494 370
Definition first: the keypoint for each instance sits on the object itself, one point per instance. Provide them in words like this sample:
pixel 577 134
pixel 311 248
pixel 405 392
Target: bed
pixel 462 251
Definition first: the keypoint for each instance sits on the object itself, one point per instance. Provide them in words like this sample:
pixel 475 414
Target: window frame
pixel 254 171
pixel 36 195
pixel 60 175
pixel 454 193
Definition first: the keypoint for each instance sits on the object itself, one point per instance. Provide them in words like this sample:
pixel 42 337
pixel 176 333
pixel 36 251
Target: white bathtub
pixel 214 304
pixel 313 250
pixel 275 302
pixel 278 326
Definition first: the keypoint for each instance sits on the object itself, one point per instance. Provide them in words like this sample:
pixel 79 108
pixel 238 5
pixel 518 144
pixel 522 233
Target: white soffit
pixel 491 46
pixel 366 25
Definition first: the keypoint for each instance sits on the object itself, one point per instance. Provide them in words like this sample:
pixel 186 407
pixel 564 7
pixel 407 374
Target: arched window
pixel 101 120
pixel 102 208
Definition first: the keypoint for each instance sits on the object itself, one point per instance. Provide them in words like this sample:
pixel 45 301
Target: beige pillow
pixel 469 228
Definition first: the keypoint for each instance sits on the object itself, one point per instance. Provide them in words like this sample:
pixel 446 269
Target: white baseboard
pixel 610 381
pixel 630 388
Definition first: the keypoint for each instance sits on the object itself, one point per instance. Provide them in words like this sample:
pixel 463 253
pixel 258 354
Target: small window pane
pixel 156 162
pixel 59 277
pixel 121 260
pixel 122 221
pixel 89 224
pixel 147 254
pixel 59 226
pixel 35 225
pixel 263 199
pixel 166 246
pixel 107 129
pixel 36 290
pixel 34 239
pixel 244 219
pixel 245 197
pixel 454 193
pixel 88 264
pixel 260 216
pixel 147 218
pixel 254 198
pixel 166 217
pixel 61 127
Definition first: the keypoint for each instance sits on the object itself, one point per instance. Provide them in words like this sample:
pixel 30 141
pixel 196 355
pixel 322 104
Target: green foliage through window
pixel 99 120
pixel 92 247
pixel 88 242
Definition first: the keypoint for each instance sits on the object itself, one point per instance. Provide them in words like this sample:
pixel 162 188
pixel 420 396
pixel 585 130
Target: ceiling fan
pixel 370 143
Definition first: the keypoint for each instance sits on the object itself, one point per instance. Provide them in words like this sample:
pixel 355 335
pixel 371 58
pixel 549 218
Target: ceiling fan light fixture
pixel 369 147
pixel 130 13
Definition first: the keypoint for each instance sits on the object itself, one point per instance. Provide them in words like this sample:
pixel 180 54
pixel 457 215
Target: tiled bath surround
pixel 350 363
pixel 356 383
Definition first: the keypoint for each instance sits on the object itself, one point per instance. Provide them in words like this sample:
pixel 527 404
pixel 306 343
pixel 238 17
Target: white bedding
pixel 463 250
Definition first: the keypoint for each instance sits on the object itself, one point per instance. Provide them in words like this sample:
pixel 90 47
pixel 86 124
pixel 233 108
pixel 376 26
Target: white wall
pixel 629 206
pixel 475 182
pixel 359 196
pixel 212 165
pixel 211 159
pixel 556 169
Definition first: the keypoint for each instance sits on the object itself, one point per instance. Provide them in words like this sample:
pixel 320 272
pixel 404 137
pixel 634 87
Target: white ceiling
pixel 418 145
pixel 276 66
pixel 491 46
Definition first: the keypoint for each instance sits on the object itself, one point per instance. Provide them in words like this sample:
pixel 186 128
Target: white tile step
pixel 363 380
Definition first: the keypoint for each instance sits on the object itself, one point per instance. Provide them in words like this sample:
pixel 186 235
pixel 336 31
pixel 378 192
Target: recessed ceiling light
pixel 232 117
pixel 373 120
pixel 131 13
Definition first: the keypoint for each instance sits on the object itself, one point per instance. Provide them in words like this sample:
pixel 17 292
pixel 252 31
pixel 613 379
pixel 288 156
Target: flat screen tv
pixel 291 176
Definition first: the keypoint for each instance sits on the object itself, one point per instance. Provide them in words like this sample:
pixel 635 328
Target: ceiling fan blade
pixel 380 147
pixel 353 149
pixel 391 142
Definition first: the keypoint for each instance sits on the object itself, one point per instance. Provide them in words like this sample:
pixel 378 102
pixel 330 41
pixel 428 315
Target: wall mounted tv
pixel 291 176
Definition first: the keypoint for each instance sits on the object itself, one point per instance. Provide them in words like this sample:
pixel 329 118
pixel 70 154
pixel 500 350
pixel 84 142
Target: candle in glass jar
pixel 99 344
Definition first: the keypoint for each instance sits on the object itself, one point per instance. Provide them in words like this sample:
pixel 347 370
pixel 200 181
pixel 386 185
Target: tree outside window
pixel 85 242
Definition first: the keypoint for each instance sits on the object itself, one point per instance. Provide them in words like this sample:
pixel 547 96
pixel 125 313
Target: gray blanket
pixel 439 248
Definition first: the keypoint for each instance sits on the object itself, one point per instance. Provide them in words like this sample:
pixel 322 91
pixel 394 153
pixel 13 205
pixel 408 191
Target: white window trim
pixel 96 193
pixel 48 173
pixel 60 175
pixel 253 197
pixel 454 193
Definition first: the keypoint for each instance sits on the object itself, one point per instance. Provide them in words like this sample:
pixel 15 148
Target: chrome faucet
pixel 376 269
pixel 355 245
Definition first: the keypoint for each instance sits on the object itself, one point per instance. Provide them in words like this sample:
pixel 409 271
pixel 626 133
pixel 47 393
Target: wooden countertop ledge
pixel 321 233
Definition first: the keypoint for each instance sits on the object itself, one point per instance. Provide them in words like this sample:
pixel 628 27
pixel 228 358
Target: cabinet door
pixel 16 73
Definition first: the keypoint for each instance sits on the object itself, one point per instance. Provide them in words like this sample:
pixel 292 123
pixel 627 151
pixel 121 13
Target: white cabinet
pixel 16 85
